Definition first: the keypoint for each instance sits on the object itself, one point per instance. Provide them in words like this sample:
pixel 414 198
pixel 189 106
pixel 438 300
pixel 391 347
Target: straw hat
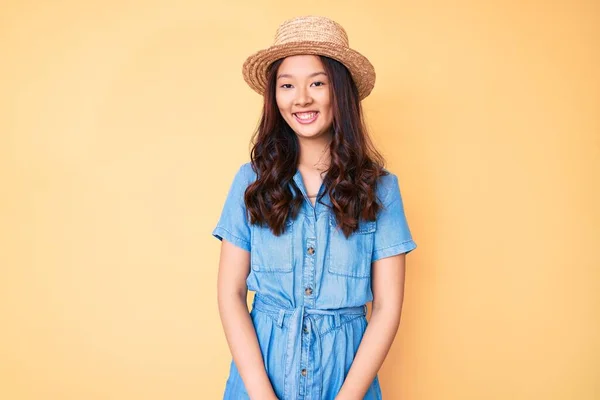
pixel 310 35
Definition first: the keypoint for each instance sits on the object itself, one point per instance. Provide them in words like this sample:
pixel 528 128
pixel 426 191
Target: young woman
pixel 314 225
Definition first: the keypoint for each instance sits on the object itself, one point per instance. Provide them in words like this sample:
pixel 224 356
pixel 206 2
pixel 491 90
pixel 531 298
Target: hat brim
pixel 362 71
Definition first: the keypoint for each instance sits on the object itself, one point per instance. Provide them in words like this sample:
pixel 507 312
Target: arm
pixel 388 295
pixel 234 267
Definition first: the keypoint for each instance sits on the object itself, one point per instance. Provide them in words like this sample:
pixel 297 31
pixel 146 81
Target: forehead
pixel 301 65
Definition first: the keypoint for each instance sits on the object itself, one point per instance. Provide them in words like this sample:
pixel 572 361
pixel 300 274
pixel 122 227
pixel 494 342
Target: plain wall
pixel 122 124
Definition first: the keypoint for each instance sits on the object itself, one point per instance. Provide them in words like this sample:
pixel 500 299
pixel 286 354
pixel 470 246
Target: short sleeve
pixel 233 224
pixel 392 235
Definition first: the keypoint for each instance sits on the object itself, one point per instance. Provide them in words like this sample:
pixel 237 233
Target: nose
pixel 303 97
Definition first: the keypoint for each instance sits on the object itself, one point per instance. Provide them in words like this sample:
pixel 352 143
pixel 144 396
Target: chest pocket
pixel 272 253
pixel 351 257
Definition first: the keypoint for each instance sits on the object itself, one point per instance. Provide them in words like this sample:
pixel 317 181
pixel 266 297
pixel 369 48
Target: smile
pixel 306 117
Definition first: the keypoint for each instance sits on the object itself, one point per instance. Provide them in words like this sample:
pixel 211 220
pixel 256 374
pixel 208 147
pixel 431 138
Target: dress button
pixel 311 251
pixel 308 291
pixel 303 372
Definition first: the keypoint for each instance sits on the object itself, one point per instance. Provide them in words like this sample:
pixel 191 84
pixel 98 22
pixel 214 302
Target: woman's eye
pixel 320 83
pixel 286 84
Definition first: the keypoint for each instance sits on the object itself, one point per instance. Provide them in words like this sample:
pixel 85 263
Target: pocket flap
pixel 363 226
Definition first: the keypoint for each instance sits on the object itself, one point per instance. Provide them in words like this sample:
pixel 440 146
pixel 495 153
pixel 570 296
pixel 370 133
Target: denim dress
pixel 311 287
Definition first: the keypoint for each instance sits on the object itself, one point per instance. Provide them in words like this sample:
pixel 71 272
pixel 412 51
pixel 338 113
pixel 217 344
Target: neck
pixel 314 154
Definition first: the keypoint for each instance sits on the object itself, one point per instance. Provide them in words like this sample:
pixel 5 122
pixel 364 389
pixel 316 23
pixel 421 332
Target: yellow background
pixel 122 124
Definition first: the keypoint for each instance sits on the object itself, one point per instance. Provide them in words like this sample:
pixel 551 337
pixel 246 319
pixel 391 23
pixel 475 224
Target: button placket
pixel 308 281
pixel 305 362
pixel 308 273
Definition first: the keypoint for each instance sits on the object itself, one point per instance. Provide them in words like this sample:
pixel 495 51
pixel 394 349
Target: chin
pixel 308 135
pixel 309 132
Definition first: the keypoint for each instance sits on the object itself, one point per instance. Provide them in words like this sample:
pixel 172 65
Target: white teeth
pixel 309 115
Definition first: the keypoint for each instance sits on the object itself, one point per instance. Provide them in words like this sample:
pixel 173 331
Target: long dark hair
pixel 355 167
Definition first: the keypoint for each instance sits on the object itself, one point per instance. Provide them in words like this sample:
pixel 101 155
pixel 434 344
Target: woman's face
pixel 302 94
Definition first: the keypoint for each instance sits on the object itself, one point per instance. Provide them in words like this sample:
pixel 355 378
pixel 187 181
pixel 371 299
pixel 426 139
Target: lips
pixel 306 117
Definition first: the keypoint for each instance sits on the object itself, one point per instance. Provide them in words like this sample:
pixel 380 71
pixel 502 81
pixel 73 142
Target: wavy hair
pixel 353 173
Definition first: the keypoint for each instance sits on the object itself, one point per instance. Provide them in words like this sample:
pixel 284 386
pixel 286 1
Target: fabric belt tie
pixel 294 336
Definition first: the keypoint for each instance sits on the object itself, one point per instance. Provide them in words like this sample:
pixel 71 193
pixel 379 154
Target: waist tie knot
pixel 294 337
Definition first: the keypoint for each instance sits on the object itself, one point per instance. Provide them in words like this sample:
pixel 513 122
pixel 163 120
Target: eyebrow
pixel 310 76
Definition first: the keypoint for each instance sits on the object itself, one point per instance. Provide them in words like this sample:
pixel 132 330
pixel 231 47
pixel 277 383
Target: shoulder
pixel 387 185
pixel 245 174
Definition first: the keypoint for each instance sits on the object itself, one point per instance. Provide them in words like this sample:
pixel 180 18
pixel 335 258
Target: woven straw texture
pixel 310 35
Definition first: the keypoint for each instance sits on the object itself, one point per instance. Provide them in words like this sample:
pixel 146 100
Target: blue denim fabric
pixel 309 308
